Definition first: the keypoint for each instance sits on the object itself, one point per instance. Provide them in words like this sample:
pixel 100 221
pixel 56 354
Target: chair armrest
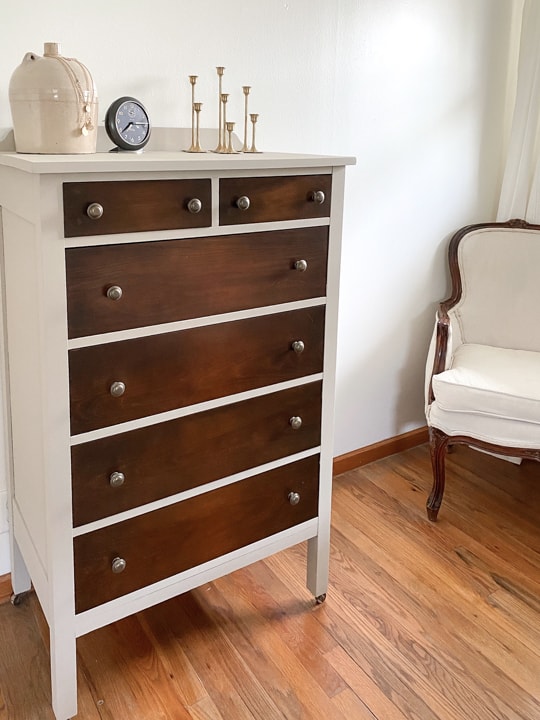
pixel 442 330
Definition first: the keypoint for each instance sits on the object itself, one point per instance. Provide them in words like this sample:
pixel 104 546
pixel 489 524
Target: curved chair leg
pixel 438 442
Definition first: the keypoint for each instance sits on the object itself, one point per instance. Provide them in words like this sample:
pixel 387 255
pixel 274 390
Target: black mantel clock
pixel 128 124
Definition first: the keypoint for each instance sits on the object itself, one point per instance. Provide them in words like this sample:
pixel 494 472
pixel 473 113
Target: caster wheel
pixel 16 598
pixel 320 599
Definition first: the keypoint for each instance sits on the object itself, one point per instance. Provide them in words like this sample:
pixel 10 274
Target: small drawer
pixel 117 473
pixel 162 543
pixel 100 208
pixel 272 199
pixel 117 287
pixel 120 381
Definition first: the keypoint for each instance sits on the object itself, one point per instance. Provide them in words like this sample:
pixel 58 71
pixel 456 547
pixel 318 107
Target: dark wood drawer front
pixel 273 198
pixel 164 542
pixel 168 458
pixel 179 279
pixel 177 369
pixel 135 205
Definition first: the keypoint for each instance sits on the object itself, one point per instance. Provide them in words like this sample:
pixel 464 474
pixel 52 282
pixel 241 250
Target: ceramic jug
pixel 54 104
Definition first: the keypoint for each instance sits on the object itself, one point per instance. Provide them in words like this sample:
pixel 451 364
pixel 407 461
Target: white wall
pixel 414 88
pixel 421 94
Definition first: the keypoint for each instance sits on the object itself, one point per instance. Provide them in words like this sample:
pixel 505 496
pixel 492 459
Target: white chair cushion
pixel 491 381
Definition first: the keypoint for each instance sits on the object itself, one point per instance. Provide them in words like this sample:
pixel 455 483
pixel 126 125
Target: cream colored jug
pixel 54 104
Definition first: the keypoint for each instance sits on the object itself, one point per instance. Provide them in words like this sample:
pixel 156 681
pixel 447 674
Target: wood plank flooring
pixel 422 622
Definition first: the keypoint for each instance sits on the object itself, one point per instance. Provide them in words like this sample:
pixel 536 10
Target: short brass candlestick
pixel 253 117
pixel 196 146
pixel 221 139
pixel 229 126
pixel 246 89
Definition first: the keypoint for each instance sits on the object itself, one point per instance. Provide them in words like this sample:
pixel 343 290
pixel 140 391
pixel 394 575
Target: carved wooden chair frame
pixel 440 442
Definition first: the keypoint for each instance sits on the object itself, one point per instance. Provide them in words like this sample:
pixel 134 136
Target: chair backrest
pixel 499 271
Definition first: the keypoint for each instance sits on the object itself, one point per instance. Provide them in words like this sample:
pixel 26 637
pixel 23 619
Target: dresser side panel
pixel 24 372
pixel 36 334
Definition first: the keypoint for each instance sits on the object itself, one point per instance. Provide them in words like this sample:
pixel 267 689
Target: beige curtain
pixel 520 193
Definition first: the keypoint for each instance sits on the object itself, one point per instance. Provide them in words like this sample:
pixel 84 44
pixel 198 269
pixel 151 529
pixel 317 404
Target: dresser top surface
pixel 166 161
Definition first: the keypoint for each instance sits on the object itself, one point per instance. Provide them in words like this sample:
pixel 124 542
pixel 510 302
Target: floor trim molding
pixel 382 449
pixel 5 588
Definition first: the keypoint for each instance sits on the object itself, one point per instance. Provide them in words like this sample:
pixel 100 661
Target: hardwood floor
pixel 422 622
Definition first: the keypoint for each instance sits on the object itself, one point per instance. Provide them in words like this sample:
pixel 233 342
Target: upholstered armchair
pixel 483 368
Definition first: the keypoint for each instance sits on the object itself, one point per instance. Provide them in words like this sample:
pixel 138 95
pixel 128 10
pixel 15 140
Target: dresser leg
pixel 63 674
pixel 317 565
pixel 20 579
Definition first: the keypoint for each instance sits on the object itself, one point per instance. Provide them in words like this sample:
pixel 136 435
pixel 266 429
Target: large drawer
pixel 170 540
pixel 178 279
pixel 134 206
pixel 296 197
pixel 171 370
pixel 173 456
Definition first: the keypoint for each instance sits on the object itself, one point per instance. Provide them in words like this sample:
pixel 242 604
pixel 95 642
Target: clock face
pixel 127 124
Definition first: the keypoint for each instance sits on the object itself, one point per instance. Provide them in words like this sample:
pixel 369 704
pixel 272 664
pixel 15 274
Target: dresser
pixel 170 335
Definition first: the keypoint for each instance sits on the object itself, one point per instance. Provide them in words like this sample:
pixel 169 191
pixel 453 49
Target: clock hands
pixel 144 124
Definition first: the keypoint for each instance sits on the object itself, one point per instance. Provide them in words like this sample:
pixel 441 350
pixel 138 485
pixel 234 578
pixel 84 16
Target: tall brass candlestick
pixel 221 139
pixel 192 80
pixel 246 89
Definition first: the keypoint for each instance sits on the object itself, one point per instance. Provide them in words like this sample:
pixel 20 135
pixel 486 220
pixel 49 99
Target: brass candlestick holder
pixel 195 110
pixel 246 89
pixel 224 97
pixel 193 80
pixel 253 117
pixel 229 126
pixel 221 137
pixel 197 148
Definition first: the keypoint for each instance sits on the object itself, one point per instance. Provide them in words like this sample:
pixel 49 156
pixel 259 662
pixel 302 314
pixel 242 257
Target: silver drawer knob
pixel 295 422
pixel 114 292
pixel 116 479
pixel 294 498
pixel 94 211
pixel 117 389
pixel 298 347
pixel 243 203
pixel 118 565
pixel 194 206
pixel 318 197
pixel 300 265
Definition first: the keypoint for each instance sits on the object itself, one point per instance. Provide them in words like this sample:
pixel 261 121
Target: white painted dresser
pixel 170 324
